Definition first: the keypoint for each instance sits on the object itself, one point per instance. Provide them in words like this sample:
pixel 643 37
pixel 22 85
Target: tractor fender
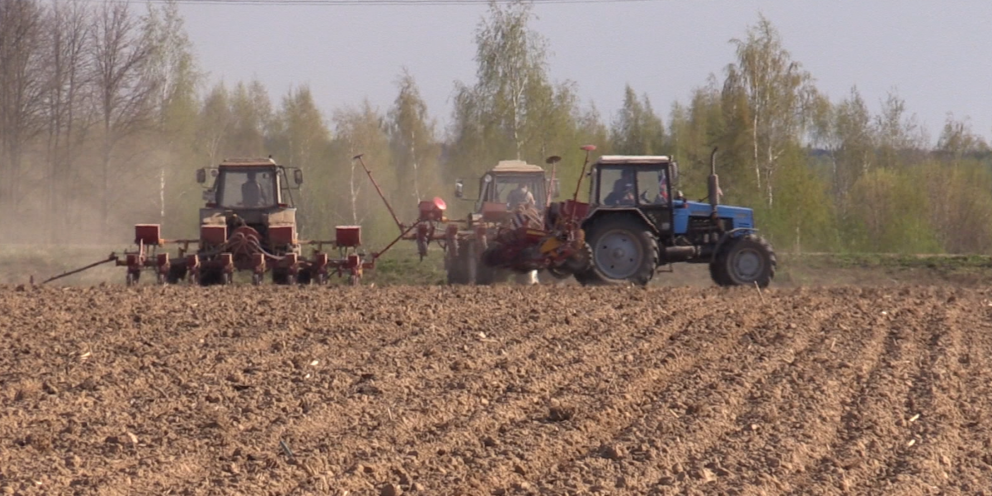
pixel 599 212
pixel 726 237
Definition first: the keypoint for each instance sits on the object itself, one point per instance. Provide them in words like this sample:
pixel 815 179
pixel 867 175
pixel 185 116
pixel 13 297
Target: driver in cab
pixel 623 190
pixel 520 196
pixel 252 194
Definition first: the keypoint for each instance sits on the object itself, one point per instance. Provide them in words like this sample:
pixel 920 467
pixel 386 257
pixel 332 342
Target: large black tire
pixel 623 250
pixel 744 261
pixel 587 278
pixel 176 273
pixel 281 277
pixel 211 278
pixel 719 274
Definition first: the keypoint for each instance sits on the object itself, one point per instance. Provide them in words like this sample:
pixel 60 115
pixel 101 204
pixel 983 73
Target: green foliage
pixel 637 129
pixel 803 218
pixel 414 146
pixel 890 215
pixel 361 130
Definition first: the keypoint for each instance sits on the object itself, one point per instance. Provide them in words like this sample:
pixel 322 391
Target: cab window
pixel 652 187
pixel 247 189
pixel 616 187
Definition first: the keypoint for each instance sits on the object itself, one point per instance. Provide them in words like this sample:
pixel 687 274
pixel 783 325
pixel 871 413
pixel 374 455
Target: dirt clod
pixel 560 413
pixel 391 490
pixel 612 451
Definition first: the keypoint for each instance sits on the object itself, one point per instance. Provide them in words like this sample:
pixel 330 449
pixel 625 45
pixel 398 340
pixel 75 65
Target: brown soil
pixel 504 390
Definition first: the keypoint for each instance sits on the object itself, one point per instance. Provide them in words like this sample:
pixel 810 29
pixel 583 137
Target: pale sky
pixel 934 54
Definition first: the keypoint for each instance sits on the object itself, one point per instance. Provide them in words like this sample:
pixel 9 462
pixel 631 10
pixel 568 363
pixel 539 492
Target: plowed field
pixel 501 390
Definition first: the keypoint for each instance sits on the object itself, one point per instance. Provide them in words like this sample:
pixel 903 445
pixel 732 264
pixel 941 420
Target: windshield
pixel 246 189
pixel 514 190
pixel 627 186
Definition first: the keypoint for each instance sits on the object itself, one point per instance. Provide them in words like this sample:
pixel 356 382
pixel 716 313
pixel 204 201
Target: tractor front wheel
pixel 623 250
pixel 718 274
pixel 747 260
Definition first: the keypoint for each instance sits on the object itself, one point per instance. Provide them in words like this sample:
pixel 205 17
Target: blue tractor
pixel 637 222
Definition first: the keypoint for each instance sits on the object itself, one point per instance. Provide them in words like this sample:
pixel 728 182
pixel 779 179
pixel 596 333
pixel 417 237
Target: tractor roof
pixel 516 166
pixel 633 159
pixel 248 162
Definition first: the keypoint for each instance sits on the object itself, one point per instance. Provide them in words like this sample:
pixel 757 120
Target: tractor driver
pixel 623 190
pixel 252 194
pixel 520 196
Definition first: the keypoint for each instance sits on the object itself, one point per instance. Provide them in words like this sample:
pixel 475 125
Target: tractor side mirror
pixel 298 176
pixel 675 173
pixel 201 176
pixel 459 188
pixel 555 187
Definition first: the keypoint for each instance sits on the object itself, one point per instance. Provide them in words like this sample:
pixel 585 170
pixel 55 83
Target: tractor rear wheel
pixel 176 273
pixel 281 277
pixel 623 250
pixel 747 260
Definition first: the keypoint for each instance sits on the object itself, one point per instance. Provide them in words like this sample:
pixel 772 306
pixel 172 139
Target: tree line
pixel 105 115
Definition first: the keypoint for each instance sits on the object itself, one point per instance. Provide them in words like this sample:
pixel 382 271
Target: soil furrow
pixel 555 390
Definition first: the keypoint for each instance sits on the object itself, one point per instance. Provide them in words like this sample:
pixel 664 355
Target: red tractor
pixel 463 241
pixel 247 224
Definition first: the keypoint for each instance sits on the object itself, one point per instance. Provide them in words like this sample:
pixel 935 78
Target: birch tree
pixel 493 117
pixel 777 93
pixel 413 142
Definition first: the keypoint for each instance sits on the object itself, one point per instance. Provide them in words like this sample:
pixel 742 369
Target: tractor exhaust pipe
pixel 713 183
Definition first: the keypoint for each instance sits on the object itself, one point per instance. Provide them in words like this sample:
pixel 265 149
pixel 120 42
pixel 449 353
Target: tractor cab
pixel 250 193
pixel 506 185
pixel 243 184
pixel 644 184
